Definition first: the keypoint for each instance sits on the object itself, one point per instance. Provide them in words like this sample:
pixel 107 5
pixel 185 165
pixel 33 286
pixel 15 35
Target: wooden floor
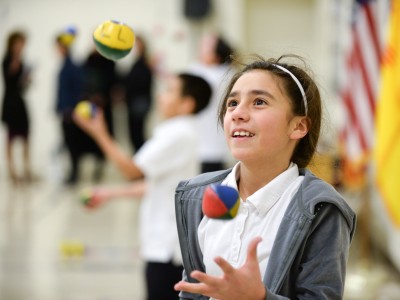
pixel 52 248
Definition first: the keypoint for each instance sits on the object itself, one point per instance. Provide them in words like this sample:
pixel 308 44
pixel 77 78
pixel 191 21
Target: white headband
pixel 298 84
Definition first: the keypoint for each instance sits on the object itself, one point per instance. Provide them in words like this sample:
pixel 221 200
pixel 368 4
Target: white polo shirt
pixel 167 158
pixel 260 215
pixel 212 147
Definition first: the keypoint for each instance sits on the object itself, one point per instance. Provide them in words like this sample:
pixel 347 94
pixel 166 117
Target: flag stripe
pixel 354 119
pixel 359 92
pixel 366 82
pixel 374 32
pixel 365 116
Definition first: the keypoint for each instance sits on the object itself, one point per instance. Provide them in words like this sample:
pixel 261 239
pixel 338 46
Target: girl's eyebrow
pixel 253 92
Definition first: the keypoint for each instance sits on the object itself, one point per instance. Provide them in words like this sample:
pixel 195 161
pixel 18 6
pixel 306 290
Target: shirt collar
pixel 265 198
pixel 181 120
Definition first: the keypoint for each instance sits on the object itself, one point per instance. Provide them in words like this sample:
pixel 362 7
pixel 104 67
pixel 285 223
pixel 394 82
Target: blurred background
pixel 51 247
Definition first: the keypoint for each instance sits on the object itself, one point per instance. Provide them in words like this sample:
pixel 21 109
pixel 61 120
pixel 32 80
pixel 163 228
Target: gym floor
pixel 52 247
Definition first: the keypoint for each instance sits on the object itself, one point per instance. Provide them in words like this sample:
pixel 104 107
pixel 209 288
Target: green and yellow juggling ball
pixel 114 39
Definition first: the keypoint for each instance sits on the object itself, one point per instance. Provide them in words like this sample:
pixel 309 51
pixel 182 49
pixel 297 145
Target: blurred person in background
pixel 14 110
pixel 138 88
pixel 99 79
pixel 69 92
pixel 215 66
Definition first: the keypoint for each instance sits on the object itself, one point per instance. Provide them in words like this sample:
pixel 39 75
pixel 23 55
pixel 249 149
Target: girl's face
pixel 259 122
pixel 18 46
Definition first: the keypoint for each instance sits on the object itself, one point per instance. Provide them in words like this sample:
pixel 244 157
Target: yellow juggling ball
pixel 85 109
pixel 114 39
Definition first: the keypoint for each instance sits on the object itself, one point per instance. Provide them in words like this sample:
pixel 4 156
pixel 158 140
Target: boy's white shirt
pixel 168 157
pixel 212 144
pixel 260 215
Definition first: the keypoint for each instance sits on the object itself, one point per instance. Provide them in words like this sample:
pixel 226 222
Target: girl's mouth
pixel 242 133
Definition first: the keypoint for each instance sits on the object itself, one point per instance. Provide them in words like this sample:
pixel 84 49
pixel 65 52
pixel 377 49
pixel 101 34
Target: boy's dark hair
pixel 223 51
pixel 196 87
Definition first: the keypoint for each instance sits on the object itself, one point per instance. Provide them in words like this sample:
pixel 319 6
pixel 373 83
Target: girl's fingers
pixel 204 278
pixel 209 284
pixel 224 265
pixel 196 288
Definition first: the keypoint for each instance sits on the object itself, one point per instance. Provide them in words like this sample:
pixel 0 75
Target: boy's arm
pixel 124 163
pixel 100 195
pixel 97 129
pixel 135 189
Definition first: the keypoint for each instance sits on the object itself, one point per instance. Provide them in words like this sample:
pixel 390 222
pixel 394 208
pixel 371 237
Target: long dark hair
pixel 11 40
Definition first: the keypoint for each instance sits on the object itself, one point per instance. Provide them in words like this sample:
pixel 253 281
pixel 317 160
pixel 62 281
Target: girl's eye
pixel 259 102
pixel 231 103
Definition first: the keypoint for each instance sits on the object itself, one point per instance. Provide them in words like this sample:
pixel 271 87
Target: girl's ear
pixel 299 127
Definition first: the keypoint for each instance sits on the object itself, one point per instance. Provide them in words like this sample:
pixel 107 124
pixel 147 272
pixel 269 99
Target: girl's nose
pixel 241 112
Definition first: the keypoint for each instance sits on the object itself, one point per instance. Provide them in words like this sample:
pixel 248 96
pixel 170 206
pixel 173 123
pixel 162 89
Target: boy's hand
pixel 97 129
pixel 94 126
pixel 243 283
pixel 98 197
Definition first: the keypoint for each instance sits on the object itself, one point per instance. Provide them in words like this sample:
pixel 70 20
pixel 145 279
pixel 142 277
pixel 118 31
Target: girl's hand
pixel 243 283
pixel 94 126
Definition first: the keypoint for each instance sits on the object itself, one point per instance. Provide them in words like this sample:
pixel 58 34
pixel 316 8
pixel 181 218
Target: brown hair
pixel 306 147
pixel 12 38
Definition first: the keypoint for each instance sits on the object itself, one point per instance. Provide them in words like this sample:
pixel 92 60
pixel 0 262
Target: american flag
pixel 360 90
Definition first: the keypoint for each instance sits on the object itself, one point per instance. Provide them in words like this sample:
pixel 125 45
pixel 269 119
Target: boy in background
pixel 164 160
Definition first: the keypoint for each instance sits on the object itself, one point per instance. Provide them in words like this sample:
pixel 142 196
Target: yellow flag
pixel 387 152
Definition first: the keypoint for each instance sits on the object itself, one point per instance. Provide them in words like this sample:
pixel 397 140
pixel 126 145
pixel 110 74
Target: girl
pixel 14 110
pixel 271 114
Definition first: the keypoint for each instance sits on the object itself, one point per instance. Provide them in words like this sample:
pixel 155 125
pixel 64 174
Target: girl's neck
pixel 252 178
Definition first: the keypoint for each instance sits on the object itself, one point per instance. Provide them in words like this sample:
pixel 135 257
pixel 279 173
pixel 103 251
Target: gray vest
pixel 310 252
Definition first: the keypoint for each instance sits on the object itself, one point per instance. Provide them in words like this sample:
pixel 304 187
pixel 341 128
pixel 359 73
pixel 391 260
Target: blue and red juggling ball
pixel 220 202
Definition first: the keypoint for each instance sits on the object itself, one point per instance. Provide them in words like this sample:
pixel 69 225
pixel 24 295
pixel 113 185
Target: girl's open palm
pixel 243 283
